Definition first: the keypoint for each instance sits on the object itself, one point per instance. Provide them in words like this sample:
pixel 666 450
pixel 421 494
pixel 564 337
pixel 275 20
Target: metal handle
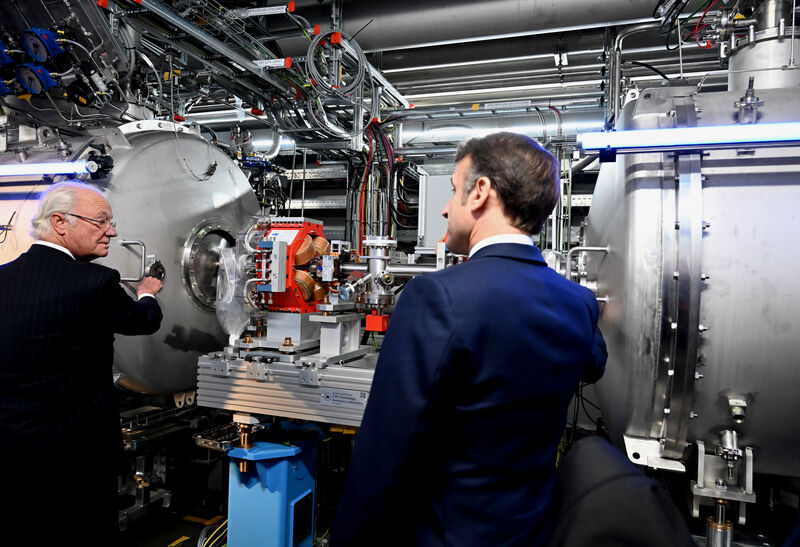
pixel 605 250
pixel 129 242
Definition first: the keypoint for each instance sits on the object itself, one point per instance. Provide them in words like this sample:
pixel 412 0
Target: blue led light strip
pixel 711 137
pixel 52 168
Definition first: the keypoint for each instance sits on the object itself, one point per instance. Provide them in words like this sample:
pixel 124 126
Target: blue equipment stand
pixel 272 504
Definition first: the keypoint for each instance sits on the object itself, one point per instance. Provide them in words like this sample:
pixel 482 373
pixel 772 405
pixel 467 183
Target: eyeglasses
pixel 102 223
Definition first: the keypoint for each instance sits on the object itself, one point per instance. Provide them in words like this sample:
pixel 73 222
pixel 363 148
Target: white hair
pixel 59 198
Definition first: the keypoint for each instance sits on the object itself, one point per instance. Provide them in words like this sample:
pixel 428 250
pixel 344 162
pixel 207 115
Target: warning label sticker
pixel 343 399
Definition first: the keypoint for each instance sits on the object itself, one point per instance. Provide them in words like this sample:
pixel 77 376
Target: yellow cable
pixel 206 544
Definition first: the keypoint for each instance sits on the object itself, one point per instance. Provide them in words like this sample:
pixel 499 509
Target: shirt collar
pixel 55 246
pixel 521 239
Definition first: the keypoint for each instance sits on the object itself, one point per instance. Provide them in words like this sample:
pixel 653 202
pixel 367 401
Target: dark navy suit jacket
pixel 58 409
pixel 468 405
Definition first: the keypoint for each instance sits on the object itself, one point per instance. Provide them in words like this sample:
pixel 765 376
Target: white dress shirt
pixel 55 246
pixel 520 239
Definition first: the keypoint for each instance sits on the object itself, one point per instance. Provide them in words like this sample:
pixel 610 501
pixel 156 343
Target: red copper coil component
pixel 322 246
pixel 305 283
pixel 305 252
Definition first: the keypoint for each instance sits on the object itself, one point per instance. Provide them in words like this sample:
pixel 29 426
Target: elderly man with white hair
pixel 60 438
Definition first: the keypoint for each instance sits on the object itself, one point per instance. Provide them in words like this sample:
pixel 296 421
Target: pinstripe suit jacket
pixel 58 317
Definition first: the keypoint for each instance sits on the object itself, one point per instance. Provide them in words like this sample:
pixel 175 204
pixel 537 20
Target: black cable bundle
pixel 399 191
pixel 670 14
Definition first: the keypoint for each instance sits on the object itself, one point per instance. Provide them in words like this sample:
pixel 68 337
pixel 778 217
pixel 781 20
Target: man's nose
pixel 112 231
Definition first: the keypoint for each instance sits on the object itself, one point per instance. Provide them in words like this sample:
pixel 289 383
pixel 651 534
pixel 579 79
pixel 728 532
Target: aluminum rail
pixel 223 49
pixel 388 88
pixel 426 151
pixel 488 110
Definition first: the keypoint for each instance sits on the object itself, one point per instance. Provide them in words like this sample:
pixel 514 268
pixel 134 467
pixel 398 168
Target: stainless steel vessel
pixel 183 198
pixel 176 199
pixel 701 319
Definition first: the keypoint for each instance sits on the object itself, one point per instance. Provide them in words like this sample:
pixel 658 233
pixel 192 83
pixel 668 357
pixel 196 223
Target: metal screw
pixel 706 225
pixel 674 326
pixel 698 376
pixel 702 328
pixel 693 414
pixel 705 277
pixel 675 275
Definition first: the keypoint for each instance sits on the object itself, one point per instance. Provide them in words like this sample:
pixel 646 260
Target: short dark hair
pixel 524 175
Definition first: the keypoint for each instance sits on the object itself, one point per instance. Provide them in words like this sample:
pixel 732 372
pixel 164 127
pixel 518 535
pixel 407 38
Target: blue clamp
pixel 41 44
pixel 35 78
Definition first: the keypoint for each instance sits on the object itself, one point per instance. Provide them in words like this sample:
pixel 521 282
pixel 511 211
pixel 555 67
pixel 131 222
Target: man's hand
pixel 149 285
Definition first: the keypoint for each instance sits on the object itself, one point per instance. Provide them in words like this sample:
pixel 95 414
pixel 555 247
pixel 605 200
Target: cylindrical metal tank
pixel 701 319
pixel 773 46
pixel 183 199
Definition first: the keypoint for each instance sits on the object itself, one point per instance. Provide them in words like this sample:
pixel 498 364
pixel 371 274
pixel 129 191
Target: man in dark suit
pixel 60 437
pixel 469 400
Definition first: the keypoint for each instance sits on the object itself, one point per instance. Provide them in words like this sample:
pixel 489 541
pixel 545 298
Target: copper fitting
pixel 721 526
pixel 260 328
pixel 320 291
pixel 244 435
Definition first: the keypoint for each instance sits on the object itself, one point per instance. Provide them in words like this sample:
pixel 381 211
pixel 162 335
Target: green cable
pixel 703 4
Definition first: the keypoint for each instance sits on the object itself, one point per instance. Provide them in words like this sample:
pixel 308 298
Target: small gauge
pixel 34 78
pixel 40 44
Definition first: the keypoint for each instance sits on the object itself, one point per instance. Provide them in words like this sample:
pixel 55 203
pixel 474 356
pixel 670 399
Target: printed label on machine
pixel 327 268
pixel 342 398
pixel 283 235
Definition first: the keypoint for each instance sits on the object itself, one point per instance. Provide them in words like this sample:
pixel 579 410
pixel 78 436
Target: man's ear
pixel 58 222
pixel 479 195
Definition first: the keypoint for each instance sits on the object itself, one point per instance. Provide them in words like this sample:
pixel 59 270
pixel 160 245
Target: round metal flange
pixel 200 261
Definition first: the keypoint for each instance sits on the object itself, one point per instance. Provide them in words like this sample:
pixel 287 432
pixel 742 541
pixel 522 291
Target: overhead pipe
pixel 426 23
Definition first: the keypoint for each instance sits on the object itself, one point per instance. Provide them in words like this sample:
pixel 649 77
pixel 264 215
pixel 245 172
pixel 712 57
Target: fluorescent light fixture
pixel 51 168
pixel 700 137
pixel 457 134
